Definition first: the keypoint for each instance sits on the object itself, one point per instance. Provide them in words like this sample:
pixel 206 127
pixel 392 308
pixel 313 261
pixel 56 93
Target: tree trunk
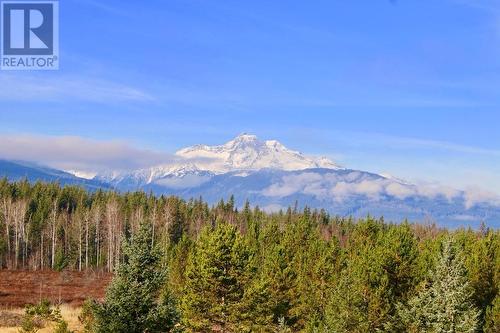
pixel 54 220
pixel 86 242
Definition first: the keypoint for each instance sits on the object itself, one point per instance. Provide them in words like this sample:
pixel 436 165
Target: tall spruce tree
pixel 135 301
pixel 445 303
pixel 216 275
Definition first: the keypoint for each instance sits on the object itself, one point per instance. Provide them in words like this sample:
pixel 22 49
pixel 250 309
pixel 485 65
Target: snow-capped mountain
pixel 274 177
pixel 197 164
pixel 247 152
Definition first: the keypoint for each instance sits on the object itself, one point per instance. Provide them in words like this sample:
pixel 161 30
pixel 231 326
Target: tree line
pixel 183 265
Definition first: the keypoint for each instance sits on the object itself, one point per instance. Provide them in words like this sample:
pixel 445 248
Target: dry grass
pixel 18 288
pixel 9 316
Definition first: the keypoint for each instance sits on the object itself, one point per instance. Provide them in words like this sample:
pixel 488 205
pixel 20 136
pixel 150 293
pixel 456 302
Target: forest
pixel 186 266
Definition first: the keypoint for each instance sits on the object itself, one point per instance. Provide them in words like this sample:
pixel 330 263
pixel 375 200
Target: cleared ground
pixel 18 288
pixel 68 289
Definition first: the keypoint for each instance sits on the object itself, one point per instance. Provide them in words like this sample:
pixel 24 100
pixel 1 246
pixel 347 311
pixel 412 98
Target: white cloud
pixel 80 154
pixel 433 190
pixel 400 191
pixel 342 187
pixel 369 188
pixel 32 87
pixel 476 195
pixel 294 183
pixel 323 186
pixel 273 208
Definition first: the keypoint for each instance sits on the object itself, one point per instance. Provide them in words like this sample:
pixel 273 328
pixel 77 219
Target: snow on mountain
pixel 247 152
pixel 82 174
pixel 272 176
pixel 198 163
pixel 171 176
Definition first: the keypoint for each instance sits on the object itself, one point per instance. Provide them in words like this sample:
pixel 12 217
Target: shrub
pixel 37 315
pixel 86 317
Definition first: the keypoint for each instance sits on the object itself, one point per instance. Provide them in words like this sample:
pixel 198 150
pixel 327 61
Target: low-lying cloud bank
pixel 76 153
pixel 341 187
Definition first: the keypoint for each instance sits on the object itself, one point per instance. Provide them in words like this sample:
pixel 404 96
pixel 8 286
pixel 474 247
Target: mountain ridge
pixel 243 153
pixel 272 176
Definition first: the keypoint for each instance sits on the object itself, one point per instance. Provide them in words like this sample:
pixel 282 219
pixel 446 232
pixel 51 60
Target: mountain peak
pixel 243 153
pixel 247 152
pixel 245 137
pixel 242 141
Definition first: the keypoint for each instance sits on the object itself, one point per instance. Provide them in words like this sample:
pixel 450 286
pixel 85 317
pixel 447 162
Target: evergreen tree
pixel 479 258
pixel 445 303
pixel 178 255
pixel 348 307
pixel 216 275
pixel 134 302
pixel 289 271
pixel 378 270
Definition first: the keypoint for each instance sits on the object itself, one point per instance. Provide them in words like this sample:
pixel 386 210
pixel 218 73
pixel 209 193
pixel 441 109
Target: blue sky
pixel 405 87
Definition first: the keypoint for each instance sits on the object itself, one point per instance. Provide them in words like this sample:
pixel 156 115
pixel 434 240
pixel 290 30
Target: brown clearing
pixel 18 288
pixel 68 289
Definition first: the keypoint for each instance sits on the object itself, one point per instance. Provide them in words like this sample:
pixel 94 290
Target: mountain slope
pixel 246 152
pixel 18 170
pixel 197 164
pixel 342 192
pixel 274 177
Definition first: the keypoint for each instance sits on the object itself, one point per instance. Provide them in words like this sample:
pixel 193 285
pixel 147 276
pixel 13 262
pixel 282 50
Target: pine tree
pixel 445 303
pixel 134 303
pixel 216 275
pixel 378 270
pixel 178 255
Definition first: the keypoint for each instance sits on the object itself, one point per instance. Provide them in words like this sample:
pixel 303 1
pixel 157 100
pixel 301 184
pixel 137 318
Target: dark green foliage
pixel 239 269
pixel 379 269
pixel 297 270
pixel 216 275
pixel 41 309
pixel 60 261
pixel 133 301
pixel 87 317
pixel 178 258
